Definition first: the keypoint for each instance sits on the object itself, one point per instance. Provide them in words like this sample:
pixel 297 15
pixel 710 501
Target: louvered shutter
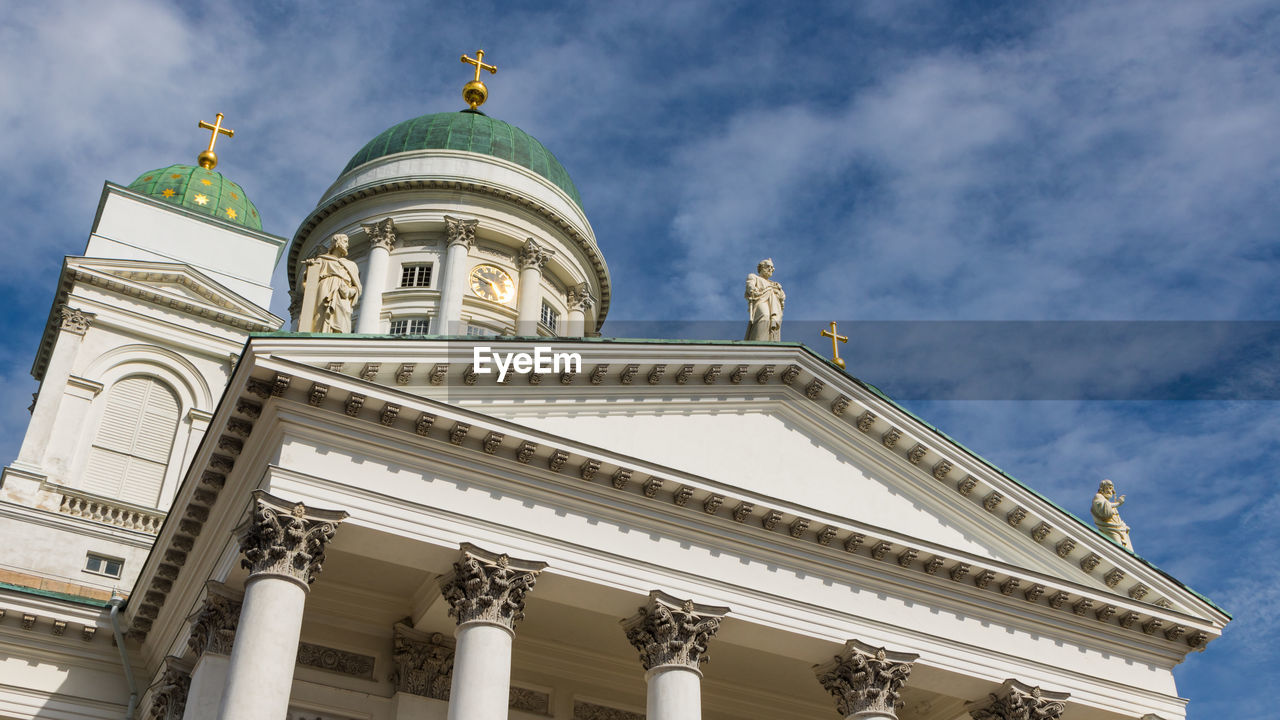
pixel 134 440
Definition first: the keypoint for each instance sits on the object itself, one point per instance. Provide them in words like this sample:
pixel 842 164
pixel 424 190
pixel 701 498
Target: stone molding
pixel 866 679
pixel 169 694
pixel 489 587
pixel 335 660
pixel 286 539
pixel 74 320
pixel 1019 701
pixel 672 632
pixel 460 232
pixel 423 662
pixel 583 710
pixel 213 626
pixel 533 254
pixel 381 234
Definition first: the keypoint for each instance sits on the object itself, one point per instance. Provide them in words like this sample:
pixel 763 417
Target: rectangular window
pixel 101 565
pixel 479 331
pixel 418 275
pixel 411 326
pixel 550 319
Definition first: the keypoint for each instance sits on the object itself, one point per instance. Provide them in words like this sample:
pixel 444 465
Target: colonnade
pixel 245 645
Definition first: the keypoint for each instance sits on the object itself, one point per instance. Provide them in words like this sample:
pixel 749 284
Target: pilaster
pixel 866 681
pixel 423 663
pixel 169 694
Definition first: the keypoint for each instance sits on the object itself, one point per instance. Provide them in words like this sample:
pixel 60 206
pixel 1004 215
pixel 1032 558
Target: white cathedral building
pixel 212 517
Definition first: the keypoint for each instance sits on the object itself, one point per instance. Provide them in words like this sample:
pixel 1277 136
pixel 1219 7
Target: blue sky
pixel 898 160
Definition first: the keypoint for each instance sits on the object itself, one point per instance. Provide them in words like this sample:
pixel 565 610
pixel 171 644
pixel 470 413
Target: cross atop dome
pixel 208 159
pixel 474 92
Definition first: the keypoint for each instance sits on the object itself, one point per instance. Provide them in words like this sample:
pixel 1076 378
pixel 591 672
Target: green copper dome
pixel 204 191
pixel 473 132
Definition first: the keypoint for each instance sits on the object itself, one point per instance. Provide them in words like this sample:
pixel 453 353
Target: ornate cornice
pixel 866 679
pixel 460 232
pixel 381 234
pixel 1019 701
pixel 424 663
pixel 533 255
pixel 489 587
pixel 286 539
pixel 213 626
pixel 670 631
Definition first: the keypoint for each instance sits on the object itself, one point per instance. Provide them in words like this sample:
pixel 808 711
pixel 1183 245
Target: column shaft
pixel 529 301
pixel 675 693
pixel 260 678
pixel 481 672
pixel 375 283
pixel 208 681
pixel 576 323
pixel 453 283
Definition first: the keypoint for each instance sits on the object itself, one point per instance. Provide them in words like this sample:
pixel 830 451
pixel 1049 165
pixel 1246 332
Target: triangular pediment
pixel 777 426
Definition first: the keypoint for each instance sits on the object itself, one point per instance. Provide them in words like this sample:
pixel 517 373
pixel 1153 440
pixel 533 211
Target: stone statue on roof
pixel 765 301
pixel 331 290
pixel 1106 515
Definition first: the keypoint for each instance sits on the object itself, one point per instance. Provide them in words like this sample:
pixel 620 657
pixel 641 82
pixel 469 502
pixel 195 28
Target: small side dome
pixel 204 191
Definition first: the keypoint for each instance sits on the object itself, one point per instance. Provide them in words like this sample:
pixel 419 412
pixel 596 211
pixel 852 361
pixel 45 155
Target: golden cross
pixel 474 92
pixel 207 159
pixel 835 349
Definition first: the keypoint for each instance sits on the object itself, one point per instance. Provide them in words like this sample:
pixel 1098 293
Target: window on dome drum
pixel 416 275
pixel 131 448
pixel 411 326
pixel 550 319
pixel 481 331
pixel 102 565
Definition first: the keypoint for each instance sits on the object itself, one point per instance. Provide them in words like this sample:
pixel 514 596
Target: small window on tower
pixel 103 565
pixel 416 276
pixel 411 326
pixel 550 319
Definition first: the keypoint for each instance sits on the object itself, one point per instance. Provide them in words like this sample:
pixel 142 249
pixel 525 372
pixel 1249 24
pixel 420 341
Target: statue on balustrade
pixel 332 290
pixel 765 301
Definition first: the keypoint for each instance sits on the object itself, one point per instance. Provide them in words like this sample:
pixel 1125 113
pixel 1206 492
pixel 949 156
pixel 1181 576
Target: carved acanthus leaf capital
pixel 580 298
pixel 461 232
pixel 863 678
pixel 424 663
pixel 489 587
pixel 534 254
pixel 74 320
pixel 213 626
pixel 381 234
pixel 169 694
pixel 1019 701
pixel 286 539
pixel 670 631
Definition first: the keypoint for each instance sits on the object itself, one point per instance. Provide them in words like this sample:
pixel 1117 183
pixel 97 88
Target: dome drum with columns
pixel 460 194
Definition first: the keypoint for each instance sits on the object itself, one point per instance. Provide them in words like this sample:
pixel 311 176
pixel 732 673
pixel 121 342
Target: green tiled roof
pixel 204 191
pixel 472 132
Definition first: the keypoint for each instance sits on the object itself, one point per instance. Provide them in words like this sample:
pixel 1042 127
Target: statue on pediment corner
pixel 1106 515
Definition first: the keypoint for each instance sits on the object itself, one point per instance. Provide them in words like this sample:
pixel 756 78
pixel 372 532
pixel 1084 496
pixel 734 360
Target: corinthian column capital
pixel 460 232
pixel 1019 701
pixel 169 694
pixel 580 297
pixel 866 681
pixel 489 587
pixel 424 663
pixel 670 631
pixel 286 539
pixel 381 234
pixel 534 254
pixel 213 626
pixel 74 320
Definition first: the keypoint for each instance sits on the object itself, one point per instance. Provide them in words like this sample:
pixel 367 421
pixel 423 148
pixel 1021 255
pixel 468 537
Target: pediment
pixel 780 426
pixel 174 285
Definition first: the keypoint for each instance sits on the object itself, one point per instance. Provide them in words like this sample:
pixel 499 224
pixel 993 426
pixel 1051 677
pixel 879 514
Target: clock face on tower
pixel 492 283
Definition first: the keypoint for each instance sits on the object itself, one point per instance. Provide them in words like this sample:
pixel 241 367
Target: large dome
pixel 472 132
pixel 204 191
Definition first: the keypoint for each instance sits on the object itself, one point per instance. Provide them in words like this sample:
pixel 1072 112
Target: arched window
pixel 131 449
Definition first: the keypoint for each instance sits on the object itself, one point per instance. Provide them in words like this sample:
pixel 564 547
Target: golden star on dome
pixel 206 181
pixel 168 192
pixel 235 196
pixel 231 213
pixel 147 178
pixel 175 176
pixel 201 199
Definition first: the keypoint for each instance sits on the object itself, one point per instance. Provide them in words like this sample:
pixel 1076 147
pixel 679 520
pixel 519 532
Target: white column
pixel 580 301
pixel 212 636
pixel 672 637
pixel 453 281
pixel 486 594
pixel 260 677
pixel 866 681
pixel 381 236
pixel 532 259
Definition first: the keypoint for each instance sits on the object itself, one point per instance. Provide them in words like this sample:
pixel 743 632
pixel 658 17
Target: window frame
pixel 103 562
pixel 416 270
